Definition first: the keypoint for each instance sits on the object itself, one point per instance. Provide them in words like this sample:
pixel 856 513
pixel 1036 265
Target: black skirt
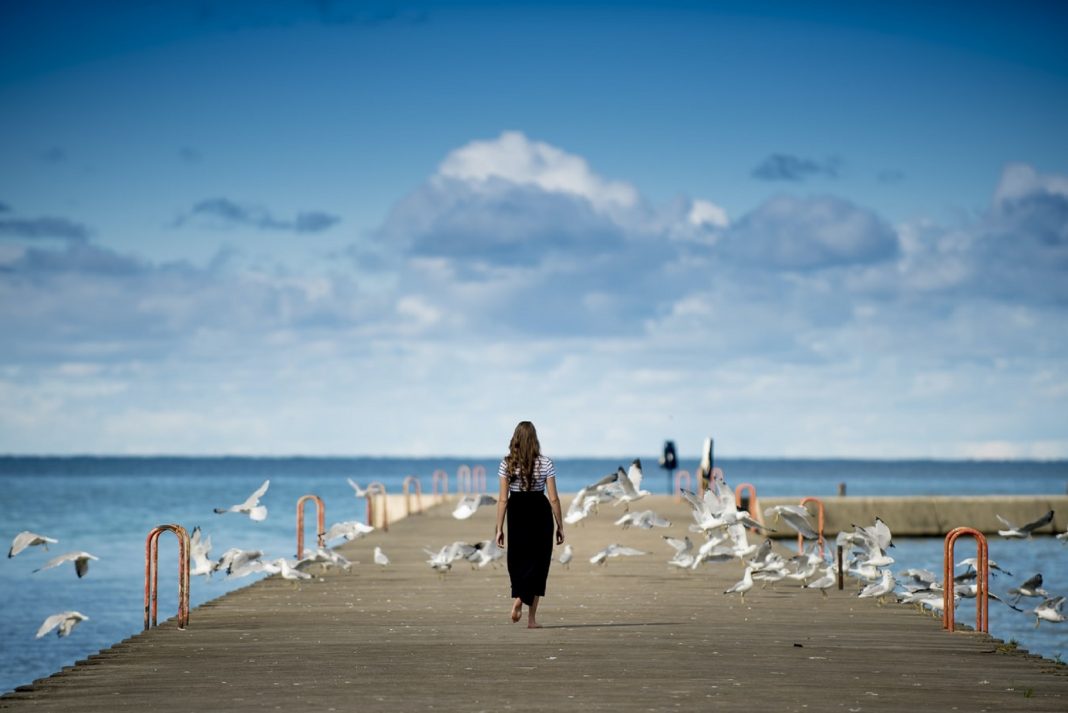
pixel 530 543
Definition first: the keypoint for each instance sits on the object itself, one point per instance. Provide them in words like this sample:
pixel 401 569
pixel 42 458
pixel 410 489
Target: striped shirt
pixel 543 470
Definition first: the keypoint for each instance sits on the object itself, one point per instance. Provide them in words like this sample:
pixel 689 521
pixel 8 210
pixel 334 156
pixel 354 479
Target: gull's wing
pixel 681 547
pixel 58 560
pixel 26 539
pixel 360 492
pixel 695 502
pixel 799 523
pixel 254 499
pixel 575 508
pixel 634 474
pixel 51 623
pixel 81 563
pixel 610 478
pixel 626 483
pixel 626 551
pixel 1008 525
pixel 1034 525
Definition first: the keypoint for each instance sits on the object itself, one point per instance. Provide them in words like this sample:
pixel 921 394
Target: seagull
pixel 381 557
pixel 80 559
pixel 486 552
pixel 251 506
pixel 238 563
pixel 325 557
pixel 1031 588
pixel 198 554
pixel 971 562
pixel 566 556
pixel 877 535
pixel 581 506
pixel 630 484
pixel 917 579
pixel 1063 537
pixel 971 591
pixel 1049 610
pixel 1012 531
pixel 742 586
pixel 441 561
pixel 66 621
pixel 470 503
pixel 644 520
pixel 796 516
pixel 28 539
pixel 288 570
pixel 615 550
pixel 880 589
pixel 825 582
pixel 350 530
pixel 360 492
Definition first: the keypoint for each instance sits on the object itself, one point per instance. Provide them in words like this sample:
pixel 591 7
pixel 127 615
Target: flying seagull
pixel 1012 531
pixel 469 504
pixel 28 539
pixel 251 506
pixel 80 559
pixel 66 621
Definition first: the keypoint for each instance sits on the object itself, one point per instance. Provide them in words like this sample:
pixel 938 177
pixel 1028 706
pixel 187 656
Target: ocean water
pixel 106 506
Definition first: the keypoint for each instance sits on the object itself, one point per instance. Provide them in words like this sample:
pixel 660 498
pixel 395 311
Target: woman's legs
pixel 517 609
pixel 532 610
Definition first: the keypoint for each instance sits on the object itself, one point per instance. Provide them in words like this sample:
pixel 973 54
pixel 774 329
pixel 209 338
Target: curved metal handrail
pixel 408 494
pixel 819 525
pixel 753 507
pixel 375 489
pixel 681 475
pixel 463 480
pixel 320 521
pixel 982 580
pixel 152 574
pixel 478 476
pixel 442 477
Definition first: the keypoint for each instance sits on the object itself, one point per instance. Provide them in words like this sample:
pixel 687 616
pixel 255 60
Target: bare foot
pixel 533 625
pixel 517 610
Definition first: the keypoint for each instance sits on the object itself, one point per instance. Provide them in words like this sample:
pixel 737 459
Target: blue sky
pixel 808 229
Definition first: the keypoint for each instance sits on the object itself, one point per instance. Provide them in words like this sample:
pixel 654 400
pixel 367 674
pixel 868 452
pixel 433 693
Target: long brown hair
pixel 523 452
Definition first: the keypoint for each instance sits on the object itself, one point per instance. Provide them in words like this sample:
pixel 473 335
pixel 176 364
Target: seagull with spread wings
pixel 1023 531
pixel 66 621
pixel 28 539
pixel 251 506
pixel 80 559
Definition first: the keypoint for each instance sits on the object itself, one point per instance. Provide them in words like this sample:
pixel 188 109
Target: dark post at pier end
pixel 669 462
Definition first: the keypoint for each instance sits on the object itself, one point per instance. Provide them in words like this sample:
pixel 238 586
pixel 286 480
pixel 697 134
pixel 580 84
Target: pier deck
pixel 633 635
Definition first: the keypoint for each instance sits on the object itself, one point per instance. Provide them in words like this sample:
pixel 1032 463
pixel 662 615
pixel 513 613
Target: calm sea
pixel 106 506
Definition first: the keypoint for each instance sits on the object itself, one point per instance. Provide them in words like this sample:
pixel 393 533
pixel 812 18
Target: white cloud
pixel 513 158
pixel 518 283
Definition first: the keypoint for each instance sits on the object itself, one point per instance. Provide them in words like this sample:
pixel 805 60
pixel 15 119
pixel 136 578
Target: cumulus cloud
pixel 223 213
pixel 788 233
pixel 787 167
pixel 517 280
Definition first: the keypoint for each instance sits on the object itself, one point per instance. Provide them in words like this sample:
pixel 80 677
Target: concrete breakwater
pixel 932 515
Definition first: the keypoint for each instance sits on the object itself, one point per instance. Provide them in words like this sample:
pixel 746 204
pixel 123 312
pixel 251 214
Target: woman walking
pixel 526 478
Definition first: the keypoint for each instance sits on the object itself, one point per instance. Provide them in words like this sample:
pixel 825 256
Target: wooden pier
pixel 632 635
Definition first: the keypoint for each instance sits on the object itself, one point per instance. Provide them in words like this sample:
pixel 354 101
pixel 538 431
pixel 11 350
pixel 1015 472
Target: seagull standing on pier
pixel 566 556
pixel 251 506
pixel 742 586
pixel 380 557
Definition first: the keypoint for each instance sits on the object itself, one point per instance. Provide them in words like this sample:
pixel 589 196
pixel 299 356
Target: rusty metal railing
pixel 753 505
pixel 408 494
pixel 374 490
pixel 441 477
pixel 463 480
pixel 478 477
pixel 152 574
pixel 320 521
pixel 679 477
pixel 982 580
pixel 819 525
